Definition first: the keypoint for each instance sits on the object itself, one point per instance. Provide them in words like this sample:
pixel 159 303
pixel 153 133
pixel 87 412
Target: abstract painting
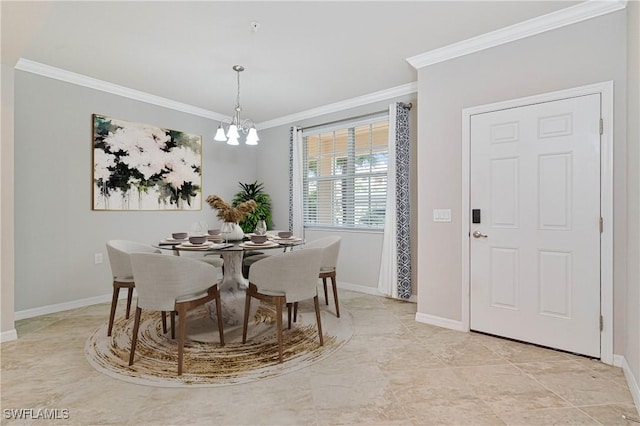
pixel 142 167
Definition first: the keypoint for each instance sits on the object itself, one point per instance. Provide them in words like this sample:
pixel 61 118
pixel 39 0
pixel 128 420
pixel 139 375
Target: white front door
pixel 535 243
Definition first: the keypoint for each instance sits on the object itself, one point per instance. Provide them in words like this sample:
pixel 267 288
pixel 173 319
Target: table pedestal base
pixel 232 291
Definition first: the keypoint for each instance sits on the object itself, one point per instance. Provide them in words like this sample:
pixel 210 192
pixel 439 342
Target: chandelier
pixel 236 124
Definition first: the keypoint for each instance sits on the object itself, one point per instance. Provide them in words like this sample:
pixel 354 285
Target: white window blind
pixel 345 174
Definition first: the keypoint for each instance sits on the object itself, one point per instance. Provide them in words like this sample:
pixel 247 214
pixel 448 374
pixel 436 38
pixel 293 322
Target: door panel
pixel 504 192
pixel 554 283
pixel 504 277
pixel 535 263
pixel 554 192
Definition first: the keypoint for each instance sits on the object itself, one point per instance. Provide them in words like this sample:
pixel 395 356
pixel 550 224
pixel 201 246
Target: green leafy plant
pixel 254 191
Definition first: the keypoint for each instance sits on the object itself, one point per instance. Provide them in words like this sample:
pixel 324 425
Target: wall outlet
pixel 97 258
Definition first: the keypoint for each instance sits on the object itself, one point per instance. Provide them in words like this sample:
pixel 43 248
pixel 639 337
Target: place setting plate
pixel 251 244
pixel 190 246
pixel 269 236
pixel 287 240
pixel 172 241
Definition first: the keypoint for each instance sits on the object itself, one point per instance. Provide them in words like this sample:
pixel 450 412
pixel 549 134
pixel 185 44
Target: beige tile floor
pixel 393 371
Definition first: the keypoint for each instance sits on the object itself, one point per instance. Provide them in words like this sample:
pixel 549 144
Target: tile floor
pixel 393 371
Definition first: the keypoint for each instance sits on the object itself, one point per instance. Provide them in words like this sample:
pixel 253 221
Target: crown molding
pixel 103 86
pixel 563 17
pixel 571 15
pixel 402 90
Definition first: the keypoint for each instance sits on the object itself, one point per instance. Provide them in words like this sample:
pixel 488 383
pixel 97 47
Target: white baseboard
pixel 440 322
pixel 359 288
pixel 632 382
pixel 619 361
pixel 370 290
pixel 7 336
pixel 80 303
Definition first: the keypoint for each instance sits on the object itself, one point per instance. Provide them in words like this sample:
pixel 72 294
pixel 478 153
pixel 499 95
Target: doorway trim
pixel 605 89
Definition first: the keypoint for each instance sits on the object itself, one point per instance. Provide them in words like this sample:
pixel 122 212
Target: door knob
pixel 478 234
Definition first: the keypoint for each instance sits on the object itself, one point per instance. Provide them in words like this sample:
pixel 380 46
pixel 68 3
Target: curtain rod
pixel 371 114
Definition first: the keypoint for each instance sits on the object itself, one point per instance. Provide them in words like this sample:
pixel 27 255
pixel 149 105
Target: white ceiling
pixel 304 55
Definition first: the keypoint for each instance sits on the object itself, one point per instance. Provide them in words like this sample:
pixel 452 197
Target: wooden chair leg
pixel 279 304
pixel 164 322
pixel 247 306
pixel 335 294
pixel 182 330
pixel 219 315
pixel 289 316
pixel 114 304
pixel 173 325
pixel 295 311
pixel 326 297
pixel 245 271
pixel 317 304
pixel 129 298
pixel 134 337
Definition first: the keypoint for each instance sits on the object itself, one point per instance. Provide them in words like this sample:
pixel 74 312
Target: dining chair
pixel 284 279
pixel 173 284
pixel 331 247
pixel 118 252
pixel 330 251
pixel 213 259
pixel 252 256
pixel 249 257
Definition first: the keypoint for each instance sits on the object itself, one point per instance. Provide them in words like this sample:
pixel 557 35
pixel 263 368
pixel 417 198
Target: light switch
pixel 442 215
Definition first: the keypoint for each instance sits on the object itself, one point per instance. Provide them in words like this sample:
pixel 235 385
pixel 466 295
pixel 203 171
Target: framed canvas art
pixel 142 167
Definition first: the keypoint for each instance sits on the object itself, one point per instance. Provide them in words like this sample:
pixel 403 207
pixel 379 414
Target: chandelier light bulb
pixel 220 137
pixel 233 140
pixel 233 132
pixel 252 137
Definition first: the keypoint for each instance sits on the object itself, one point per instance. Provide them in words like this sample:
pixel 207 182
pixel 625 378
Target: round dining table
pixel 233 284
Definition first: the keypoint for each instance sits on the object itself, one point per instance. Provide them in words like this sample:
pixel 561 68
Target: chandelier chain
pixel 238 93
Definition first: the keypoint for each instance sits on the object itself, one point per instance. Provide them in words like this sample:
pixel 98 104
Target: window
pixel 345 175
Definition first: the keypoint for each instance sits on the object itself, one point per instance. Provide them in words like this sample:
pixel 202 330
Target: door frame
pixel 605 89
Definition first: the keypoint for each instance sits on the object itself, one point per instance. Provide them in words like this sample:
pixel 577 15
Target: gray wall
pixel 53 191
pixel 588 52
pixel 7 270
pixel 57 233
pixel 632 332
pixel 360 252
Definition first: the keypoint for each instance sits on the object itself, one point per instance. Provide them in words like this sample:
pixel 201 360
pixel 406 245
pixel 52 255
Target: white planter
pixel 236 233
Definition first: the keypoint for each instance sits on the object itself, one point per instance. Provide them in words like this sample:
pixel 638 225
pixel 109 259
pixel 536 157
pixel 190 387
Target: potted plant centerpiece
pixel 231 215
pixel 254 191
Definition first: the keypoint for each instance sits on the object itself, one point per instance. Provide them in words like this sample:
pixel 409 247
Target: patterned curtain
pixel 295 182
pixel 395 268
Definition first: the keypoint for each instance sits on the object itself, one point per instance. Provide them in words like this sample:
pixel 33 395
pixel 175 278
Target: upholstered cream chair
pixel 176 284
pixel 118 252
pixel 330 251
pixel 285 279
pixel 213 259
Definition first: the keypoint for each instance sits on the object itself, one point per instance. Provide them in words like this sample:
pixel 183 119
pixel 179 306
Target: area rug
pixel 206 363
